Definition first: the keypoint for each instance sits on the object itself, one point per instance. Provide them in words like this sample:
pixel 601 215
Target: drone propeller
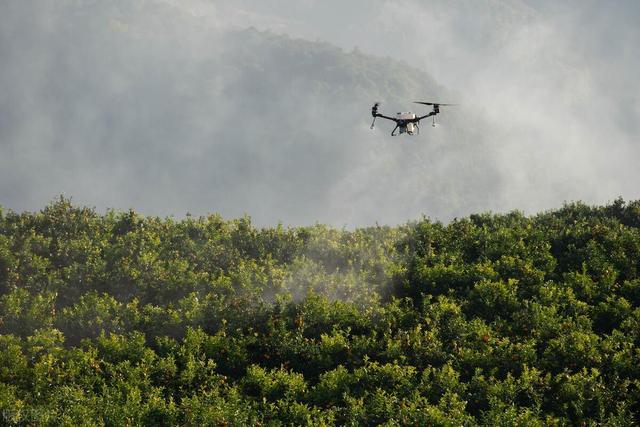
pixel 436 109
pixel 434 103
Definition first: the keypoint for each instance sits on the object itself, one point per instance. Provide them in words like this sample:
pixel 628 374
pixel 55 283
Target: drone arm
pixel 376 115
pixel 433 113
pixel 385 117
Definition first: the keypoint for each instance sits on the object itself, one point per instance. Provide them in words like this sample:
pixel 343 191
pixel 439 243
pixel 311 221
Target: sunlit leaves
pixel 122 319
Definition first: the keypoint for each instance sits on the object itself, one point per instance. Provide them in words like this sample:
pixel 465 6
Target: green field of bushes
pixel 120 319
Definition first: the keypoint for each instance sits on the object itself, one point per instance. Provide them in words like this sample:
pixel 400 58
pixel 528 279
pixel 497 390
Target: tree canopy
pixel 495 319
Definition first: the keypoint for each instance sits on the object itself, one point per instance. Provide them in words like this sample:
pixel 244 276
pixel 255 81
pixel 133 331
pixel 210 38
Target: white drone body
pixel 409 127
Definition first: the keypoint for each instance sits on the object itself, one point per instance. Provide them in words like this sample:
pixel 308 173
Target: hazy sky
pixel 160 106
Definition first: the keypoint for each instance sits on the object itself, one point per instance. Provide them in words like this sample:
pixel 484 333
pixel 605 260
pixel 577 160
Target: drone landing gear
pixel 394 130
pixel 373 122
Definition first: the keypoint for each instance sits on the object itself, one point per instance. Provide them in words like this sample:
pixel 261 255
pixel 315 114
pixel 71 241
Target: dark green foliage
pixel 121 319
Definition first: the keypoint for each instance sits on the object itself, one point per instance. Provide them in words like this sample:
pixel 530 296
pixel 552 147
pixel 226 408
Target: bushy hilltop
pixel 121 319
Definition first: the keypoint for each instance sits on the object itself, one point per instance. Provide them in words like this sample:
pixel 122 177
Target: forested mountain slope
pixel 122 319
pixel 148 105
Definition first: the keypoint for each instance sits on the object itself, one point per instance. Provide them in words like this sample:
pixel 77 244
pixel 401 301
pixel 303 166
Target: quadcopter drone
pixel 407 122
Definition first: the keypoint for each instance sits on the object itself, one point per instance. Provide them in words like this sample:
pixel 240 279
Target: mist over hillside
pixel 174 107
pixel 370 285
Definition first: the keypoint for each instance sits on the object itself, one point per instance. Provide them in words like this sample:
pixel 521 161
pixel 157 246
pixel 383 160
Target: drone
pixel 407 122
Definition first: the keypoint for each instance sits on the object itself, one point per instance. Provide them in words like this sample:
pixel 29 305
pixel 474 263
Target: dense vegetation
pixel 121 319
